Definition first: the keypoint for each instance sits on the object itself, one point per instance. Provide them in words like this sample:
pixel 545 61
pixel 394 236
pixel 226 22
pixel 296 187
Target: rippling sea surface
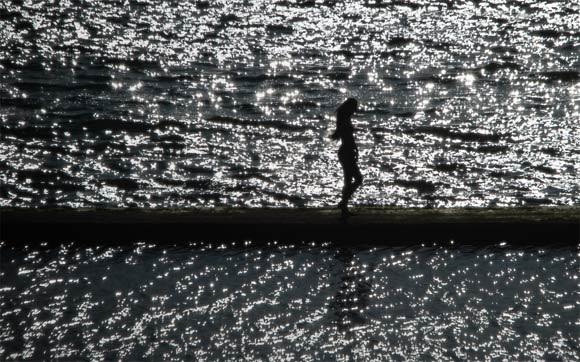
pixel 292 302
pixel 202 103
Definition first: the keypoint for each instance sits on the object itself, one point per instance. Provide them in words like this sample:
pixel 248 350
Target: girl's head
pixel 347 108
pixel 343 114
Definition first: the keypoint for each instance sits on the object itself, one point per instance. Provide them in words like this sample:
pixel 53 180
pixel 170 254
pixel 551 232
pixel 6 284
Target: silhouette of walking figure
pixel 348 152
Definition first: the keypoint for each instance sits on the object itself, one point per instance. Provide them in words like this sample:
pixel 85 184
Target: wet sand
pixel 541 226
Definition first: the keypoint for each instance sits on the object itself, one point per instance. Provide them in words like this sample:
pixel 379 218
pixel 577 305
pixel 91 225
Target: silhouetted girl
pixel 348 152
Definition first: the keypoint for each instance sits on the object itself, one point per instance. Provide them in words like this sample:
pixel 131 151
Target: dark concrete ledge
pixel 540 226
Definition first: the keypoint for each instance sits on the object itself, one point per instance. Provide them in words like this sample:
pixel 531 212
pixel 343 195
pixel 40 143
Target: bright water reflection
pixel 294 302
pixel 156 103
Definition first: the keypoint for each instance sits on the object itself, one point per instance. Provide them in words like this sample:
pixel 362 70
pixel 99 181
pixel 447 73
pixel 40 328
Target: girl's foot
pixel 344 209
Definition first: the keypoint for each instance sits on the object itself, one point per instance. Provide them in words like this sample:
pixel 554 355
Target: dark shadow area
pixel 540 226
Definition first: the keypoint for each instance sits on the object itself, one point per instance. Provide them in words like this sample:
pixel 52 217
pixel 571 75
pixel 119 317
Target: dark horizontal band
pixel 384 226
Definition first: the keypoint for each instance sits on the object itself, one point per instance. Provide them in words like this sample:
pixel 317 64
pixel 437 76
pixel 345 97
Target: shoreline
pixel 383 226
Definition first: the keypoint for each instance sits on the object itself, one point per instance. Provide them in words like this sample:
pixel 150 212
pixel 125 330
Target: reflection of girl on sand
pixel 348 152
